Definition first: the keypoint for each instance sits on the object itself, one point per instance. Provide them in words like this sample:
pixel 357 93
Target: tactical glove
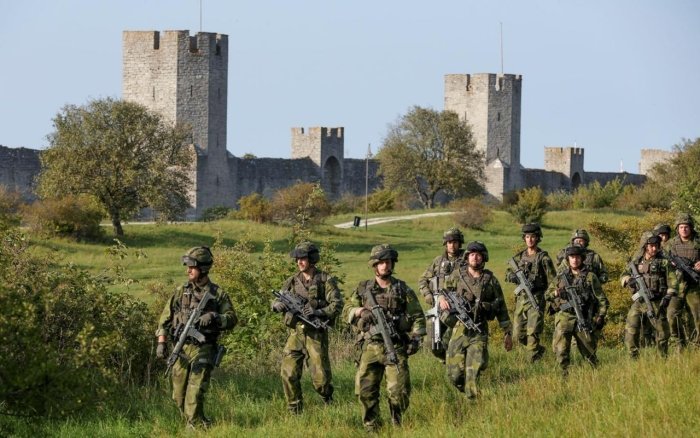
pixel 632 285
pixel 512 278
pixel 413 345
pixel 308 311
pixel 208 318
pixel 599 322
pixel 278 306
pixel 366 316
pixel 562 294
pixel 666 300
pixel 161 350
pixel 429 299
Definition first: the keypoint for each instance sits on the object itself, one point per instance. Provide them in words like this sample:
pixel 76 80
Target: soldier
pixel 467 352
pixel 593 306
pixel 325 301
pixel 441 267
pixel 685 244
pixel 591 260
pixel 192 371
pixel 661 283
pixel 538 268
pixel 401 309
pixel 664 232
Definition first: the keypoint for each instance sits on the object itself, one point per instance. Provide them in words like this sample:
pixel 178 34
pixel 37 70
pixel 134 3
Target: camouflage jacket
pixel 321 290
pixel 185 299
pixel 690 249
pixel 442 265
pixel 592 262
pixel 595 302
pixel 659 276
pixel 539 269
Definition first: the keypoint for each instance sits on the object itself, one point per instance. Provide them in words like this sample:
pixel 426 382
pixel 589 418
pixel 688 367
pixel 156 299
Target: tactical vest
pixel 533 269
pixel 654 273
pixel 392 300
pixel 584 288
pixel 446 266
pixel 472 288
pixel 316 291
pixel 189 300
pixel 690 249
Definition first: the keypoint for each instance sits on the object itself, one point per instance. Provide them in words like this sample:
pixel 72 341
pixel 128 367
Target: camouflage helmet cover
pixel 452 234
pixel 532 228
pixel 684 218
pixel 662 228
pixel 199 256
pixel 382 252
pixel 306 249
pixel 479 247
pixel 581 234
pixel 575 250
pixel 647 238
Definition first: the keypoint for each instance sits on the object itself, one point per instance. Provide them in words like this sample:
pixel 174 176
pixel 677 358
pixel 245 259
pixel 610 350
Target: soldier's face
pixel 575 261
pixel 452 246
pixel 664 237
pixel 651 249
pixel 383 268
pixel 531 240
pixel 303 264
pixel 193 273
pixel 684 231
pixel 580 242
pixel 475 260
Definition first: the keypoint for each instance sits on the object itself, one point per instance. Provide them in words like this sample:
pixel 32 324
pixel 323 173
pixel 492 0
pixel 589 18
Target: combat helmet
pixel 662 229
pixel 306 249
pixel 532 228
pixel 479 247
pixel 648 237
pixel 199 256
pixel 684 218
pixel 382 252
pixel 581 234
pixel 453 234
pixel 575 250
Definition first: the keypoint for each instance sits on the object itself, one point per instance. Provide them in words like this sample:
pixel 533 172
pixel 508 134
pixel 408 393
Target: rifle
pixel 461 308
pixel 642 290
pixel 433 313
pixel 574 300
pixel 524 285
pixel 684 264
pixel 385 329
pixel 188 331
pixel 295 305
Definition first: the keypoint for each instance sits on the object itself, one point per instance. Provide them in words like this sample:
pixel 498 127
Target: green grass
pixel 649 397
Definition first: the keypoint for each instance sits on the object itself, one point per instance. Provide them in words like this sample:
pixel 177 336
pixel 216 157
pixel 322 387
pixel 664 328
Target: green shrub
pixel 255 207
pixel 215 213
pixel 10 202
pixel 76 217
pixel 302 204
pixel 594 195
pixel 348 203
pixel 648 197
pixel 559 200
pixel 381 200
pixel 472 213
pixel 530 207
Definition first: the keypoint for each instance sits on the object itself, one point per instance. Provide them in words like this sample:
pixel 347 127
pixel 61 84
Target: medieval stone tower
pixel 490 104
pixel 567 161
pixel 185 78
pixel 325 147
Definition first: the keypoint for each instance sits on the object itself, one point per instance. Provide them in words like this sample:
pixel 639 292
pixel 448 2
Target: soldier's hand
pixel 561 293
pixel 366 316
pixel 307 310
pixel 512 278
pixel 508 341
pixel 429 299
pixel 161 350
pixel 599 322
pixel 632 285
pixel 444 305
pixel 208 318
pixel 278 306
pixel 413 345
pixel 666 300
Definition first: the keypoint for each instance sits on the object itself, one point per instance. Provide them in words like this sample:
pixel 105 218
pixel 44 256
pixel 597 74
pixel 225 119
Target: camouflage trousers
pixel 370 371
pixel 684 319
pixel 310 346
pixel 565 329
pixel 634 327
pixel 467 357
pixel 445 335
pixel 528 324
pixel 191 380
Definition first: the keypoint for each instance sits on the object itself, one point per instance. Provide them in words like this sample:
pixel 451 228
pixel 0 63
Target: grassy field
pixel 648 397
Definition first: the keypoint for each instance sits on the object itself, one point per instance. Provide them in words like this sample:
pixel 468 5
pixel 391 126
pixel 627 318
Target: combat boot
pixel 395 415
pixel 328 400
pixel 296 408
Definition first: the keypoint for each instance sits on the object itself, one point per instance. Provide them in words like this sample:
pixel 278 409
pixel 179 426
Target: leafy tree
pixel 531 206
pixel 681 176
pixel 119 152
pixel 427 152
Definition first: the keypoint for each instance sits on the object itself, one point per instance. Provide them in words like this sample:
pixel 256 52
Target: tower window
pixel 154 93
pixel 498 117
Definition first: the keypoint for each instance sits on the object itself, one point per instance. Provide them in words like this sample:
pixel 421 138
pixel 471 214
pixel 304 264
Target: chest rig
pixel 690 249
pixel 393 302
pixel 654 273
pixel 314 290
pixel 583 288
pixel 188 302
pixel 532 268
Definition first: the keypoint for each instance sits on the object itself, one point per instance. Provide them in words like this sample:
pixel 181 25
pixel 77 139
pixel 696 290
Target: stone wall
pixel 19 168
pixel 651 157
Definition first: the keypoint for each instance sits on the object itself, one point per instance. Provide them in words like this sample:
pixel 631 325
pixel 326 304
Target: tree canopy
pixel 426 152
pixel 680 177
pixel 125 156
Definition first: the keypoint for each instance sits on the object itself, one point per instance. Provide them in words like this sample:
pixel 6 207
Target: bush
pixel 215 213
pixel 381 200
pixel 472 213
pixel 73 343
pixel 302 204
pixel 648 197
pixel 76 217
pixel 348 203
pixel 560 200
pixel 255 208
pixel 596 196
pixel 10 202
pixel 530 207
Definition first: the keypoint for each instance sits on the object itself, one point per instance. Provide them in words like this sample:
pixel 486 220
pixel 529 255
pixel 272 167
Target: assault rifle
pixel 461 308
pixel 524 285
pixel 385 329
pixel 188 331
pixel 642 290
pixel 684 264
pixel 295 305
pixel 433 313
pixel 574 300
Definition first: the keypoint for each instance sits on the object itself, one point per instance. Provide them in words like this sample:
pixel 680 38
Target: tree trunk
pixel 117 224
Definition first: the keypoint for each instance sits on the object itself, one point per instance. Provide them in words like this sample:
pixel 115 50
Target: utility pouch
pixel 220 352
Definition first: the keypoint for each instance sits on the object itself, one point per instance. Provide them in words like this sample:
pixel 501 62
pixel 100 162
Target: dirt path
pixel 381 220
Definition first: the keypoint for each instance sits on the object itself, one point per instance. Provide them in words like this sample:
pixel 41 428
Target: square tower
pixel 325 147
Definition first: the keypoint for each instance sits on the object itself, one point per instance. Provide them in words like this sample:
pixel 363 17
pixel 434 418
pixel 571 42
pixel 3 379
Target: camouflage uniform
pixel 591 259
pixel 190 378
pixel 528 322
pixel 688 291
pixel 594 307
pixel 661 281
pixel 467 352
pixel 402 309
pixel 441 267
pixel 307 343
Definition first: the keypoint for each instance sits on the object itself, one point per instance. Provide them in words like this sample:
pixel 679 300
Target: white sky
pixel 611 76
